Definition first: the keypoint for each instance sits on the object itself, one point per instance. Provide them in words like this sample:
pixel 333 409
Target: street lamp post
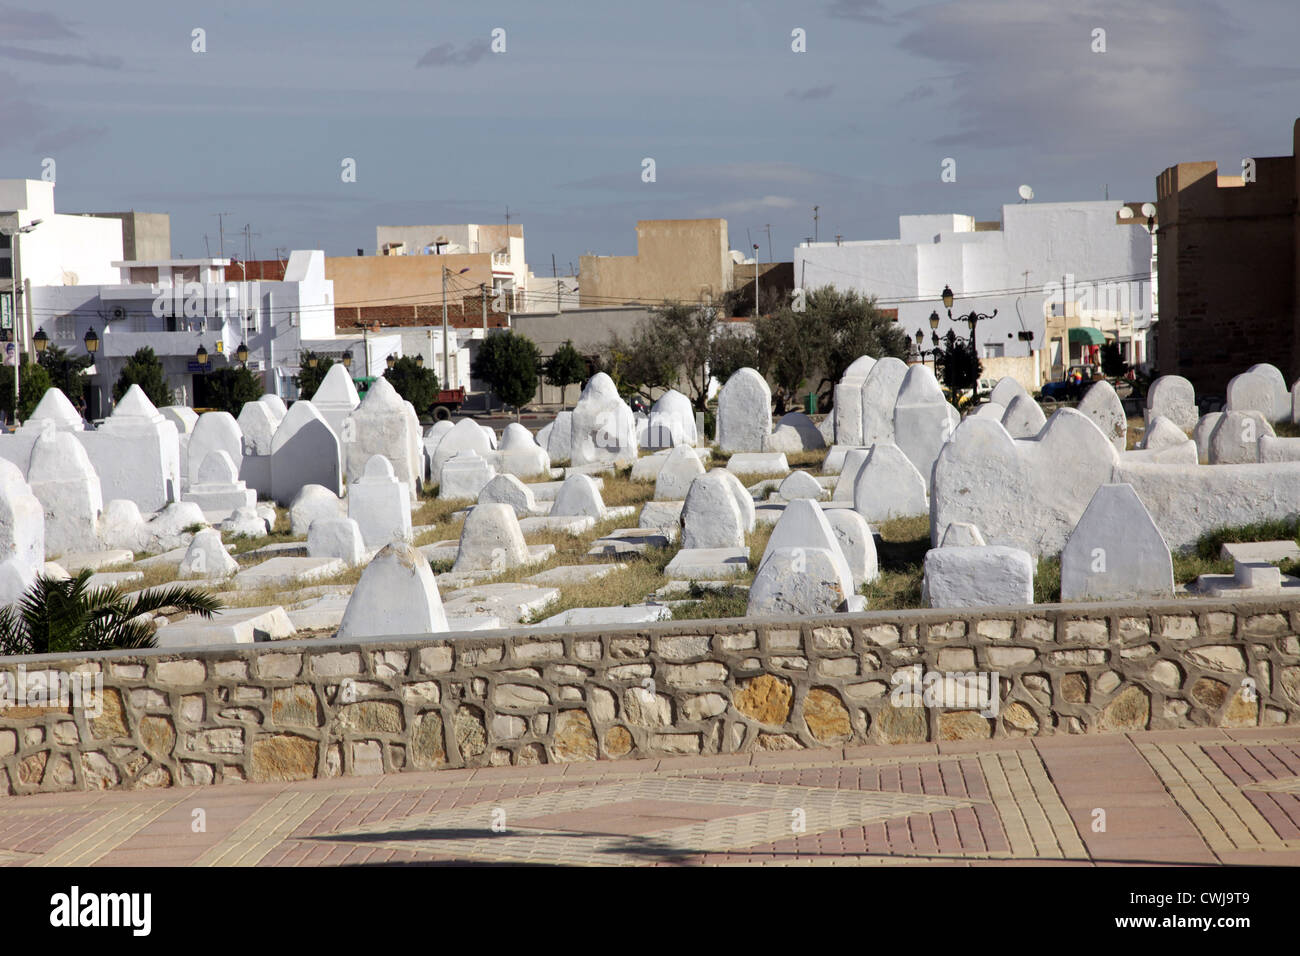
pixel 91 342
pixel 446 356
pixel 972 320
pixel 20 318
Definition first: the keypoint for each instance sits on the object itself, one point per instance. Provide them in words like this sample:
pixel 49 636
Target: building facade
pixel 684 260
pixel 1229 268
pixel 176 306
pixel 1088 261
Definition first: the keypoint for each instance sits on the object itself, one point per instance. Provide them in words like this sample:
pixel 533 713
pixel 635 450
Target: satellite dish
pixel 1125 212
pixel 1026 193
pixel 1148 209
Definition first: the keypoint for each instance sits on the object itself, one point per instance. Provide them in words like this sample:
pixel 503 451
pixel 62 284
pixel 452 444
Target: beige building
pixel 684 260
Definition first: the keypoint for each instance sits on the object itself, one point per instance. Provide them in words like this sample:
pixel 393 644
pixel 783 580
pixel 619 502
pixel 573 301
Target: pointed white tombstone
pixel 923 419
pixel 509 490
pixel 804 526
pixel 846 413
pixel 335 398
pixel 22 521
pixel 305 451
pixel 314 503
pixel 380 504
pixel 207 557
pixel 1116 552
pixel 381 425
pixel 63 480
pixel 54 407
pixel 888 486
pixel 799 582
pixel 136 453
pixel 397 596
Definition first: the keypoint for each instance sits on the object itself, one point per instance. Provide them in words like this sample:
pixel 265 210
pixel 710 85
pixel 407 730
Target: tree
pixel 1112 360
pixel 228 389
pixel 66 616
pixel 959 367
pixel 144 369
pixel 416 384
pixel 309 376
pixel 638 364
pixel 66 371
pixel 508 362
pixel 810 343
pixel 33 383
pixel 565 367
pixel 731 351
pixel 669 348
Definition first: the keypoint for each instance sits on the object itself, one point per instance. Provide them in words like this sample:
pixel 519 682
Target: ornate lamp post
pixel 972 320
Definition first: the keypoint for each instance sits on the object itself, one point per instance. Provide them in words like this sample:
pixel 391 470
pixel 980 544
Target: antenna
pixel 815 208
pixel 221 231
pixel 1026 193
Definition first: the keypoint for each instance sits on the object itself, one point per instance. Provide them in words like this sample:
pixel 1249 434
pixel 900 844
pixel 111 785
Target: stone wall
pixel 300 709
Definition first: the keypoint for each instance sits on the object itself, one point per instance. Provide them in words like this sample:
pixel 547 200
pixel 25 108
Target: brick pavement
pixel 1164 797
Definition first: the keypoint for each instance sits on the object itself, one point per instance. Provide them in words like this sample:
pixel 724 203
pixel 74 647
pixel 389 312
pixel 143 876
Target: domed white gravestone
pixel 671 422
pixel 336 538
pixel 879 396
pixel 136 453
pixel 519 455
pixel 578 496
pixel 464 476
pixel 383 425
pixel 710 516
pixel 603 427
pixel 744 412
pixel 1023 417
pixel 207 557
pixel 681 466
pixel 795 432
pixel 509 490
pixel 257 425
pixel 396 596
pixel 491 540
pixel 464 436
pixel 61 477
pixel 1173 397
pixel 215 431
pixel 1102 405
pixel 800 484
pixel 313 503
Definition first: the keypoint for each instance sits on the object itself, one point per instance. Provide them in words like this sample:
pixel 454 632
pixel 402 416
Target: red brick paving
pixel 935 805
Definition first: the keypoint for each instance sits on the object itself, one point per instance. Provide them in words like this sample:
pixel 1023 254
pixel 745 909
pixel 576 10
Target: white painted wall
pixel 984 269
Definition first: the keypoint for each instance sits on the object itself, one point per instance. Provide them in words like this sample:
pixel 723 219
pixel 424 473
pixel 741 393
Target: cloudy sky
pixel 445 130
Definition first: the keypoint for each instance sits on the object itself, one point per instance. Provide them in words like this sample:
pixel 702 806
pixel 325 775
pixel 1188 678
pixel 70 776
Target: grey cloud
pixel 33 25
pixel 60 59
pixel 863 11
pixel 446 54
pixel 812 93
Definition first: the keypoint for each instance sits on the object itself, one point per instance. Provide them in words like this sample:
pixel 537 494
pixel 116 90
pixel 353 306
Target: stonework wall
pixel 301 709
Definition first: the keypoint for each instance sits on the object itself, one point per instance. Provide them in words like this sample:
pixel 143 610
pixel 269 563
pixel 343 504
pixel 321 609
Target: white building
pixel 174 306
pixel 39 247
pixel 1017 266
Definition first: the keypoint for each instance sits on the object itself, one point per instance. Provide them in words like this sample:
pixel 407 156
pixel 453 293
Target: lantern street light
pixel 391 360
pixel 241 353
pixel 91 341
pixel 972 320
pixel 201 356
pixel 312 359
pixel 419 360
pixel 347 359
pixel 41 340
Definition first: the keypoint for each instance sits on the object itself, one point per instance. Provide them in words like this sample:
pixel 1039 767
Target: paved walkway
pixel 1185 797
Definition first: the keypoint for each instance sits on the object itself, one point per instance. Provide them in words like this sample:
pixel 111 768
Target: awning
pixel 1087 336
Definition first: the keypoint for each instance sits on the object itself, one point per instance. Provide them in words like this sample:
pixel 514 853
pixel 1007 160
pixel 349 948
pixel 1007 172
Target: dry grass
pixel 632 584
pixel 1136 429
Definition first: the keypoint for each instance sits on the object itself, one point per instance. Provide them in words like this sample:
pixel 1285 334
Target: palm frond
pixel 176 598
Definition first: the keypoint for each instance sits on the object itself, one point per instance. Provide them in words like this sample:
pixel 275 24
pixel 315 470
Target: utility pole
pixel 482 294
pixel 755 280
pixel 768 227
pixel 221 231
pixel 555 275
pixel 815 208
